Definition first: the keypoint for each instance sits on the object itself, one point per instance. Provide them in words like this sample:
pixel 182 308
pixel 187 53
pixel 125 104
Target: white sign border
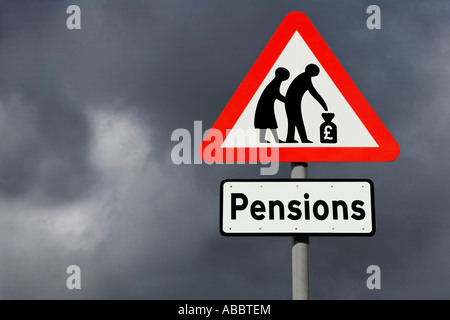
pixel 336 234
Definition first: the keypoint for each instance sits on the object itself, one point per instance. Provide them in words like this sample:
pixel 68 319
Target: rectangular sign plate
pixel 297 206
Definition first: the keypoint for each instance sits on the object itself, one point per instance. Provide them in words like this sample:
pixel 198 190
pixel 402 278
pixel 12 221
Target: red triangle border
pixel 387 150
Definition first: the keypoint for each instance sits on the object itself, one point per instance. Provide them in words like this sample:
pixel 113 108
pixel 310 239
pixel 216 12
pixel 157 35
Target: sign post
pixel 300 247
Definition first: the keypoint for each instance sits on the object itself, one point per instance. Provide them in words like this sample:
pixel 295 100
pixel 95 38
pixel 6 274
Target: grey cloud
pixel 141 227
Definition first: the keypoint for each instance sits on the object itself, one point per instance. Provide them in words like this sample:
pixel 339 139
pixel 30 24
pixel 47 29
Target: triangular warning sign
pixel 298 101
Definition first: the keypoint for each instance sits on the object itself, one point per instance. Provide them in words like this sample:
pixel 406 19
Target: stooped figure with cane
pixel 293 102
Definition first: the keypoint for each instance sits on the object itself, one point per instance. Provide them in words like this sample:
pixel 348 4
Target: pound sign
pixel 327 130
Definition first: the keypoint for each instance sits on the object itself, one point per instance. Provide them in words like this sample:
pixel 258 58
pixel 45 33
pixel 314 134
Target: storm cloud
pixel 86 177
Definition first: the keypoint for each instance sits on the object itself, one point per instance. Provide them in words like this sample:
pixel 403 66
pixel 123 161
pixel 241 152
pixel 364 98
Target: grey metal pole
pixel 300 247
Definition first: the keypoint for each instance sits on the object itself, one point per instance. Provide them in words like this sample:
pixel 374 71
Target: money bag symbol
pixel 328 130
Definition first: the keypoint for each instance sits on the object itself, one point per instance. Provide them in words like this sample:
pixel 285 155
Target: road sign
pixel 297 206
pixel 299 100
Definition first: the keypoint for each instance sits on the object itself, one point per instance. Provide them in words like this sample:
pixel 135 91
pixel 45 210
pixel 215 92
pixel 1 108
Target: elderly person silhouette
pixel 293 103
pixel 265 109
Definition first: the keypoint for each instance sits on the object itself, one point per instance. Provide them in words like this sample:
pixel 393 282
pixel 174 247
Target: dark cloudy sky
pixel 86 177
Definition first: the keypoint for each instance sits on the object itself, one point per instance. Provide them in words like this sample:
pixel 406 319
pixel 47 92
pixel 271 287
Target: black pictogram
pixel 265 110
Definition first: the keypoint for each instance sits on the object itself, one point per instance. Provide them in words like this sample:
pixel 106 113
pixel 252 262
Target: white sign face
pixel 290 207
pixel 295 57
